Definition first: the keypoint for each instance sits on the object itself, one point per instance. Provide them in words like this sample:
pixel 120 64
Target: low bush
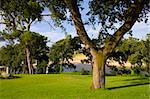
pixel 85 72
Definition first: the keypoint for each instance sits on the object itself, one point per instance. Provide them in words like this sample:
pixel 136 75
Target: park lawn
pixel 70 86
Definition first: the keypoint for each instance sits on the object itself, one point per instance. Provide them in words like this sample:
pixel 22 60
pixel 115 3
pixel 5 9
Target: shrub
pixel 84 72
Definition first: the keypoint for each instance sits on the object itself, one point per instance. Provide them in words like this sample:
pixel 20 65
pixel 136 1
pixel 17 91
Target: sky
pixel 54 34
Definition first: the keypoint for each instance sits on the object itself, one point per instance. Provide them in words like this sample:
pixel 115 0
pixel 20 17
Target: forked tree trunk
pixel 98 57
pixel 98 70
pixel 28 60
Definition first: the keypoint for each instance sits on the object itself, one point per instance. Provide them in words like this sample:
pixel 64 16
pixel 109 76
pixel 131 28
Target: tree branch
pixel 76 17
pixel 3 22
pixel 46 15
pixel 134 12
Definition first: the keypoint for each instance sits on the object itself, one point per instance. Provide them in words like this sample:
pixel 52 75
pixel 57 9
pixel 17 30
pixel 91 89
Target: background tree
pixel 106 14
pixel 128 50
pixel 146 53
pixel 61 53
pixel 134 51
pixel 18 15
pixel 36 43
pixel 12 57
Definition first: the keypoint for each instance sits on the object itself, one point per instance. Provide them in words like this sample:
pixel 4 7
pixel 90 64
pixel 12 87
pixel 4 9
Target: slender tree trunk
pixel 98 70
pixel 28 60
pixel 61 67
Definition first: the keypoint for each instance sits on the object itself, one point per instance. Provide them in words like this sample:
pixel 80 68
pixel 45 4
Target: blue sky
pixel 140 30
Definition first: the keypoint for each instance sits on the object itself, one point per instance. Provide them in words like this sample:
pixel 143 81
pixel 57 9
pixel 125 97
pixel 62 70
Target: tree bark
pixel 28 56
pixel 98 69
pixel 76 17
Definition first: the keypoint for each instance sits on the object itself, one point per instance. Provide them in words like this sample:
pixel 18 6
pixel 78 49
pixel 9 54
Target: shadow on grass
pixel 131 85
pixel 11 77
pixel 134 79
pixel 140 78
pixel 132 82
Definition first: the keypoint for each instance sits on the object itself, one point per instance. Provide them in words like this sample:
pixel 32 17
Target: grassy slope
pixel 68 86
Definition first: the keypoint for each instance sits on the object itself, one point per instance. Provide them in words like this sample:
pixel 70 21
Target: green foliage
pixel 37 45
pixel 55 68
pixel 136 70
pixel 135 51
pixel 19 14
pixel 11 56
pixel 14 55
pixel 146 52
pixel 35 42
pixel 129 50
pixel 62 51
pixel 109 12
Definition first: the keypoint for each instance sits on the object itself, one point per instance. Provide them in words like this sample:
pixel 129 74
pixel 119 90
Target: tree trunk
pixel 98 70
pixel 28 56
pixel 61 67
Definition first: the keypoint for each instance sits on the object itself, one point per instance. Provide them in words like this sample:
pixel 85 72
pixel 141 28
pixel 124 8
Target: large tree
pixel 105 13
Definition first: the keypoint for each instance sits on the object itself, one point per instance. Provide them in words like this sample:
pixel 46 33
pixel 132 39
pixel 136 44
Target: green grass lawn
pixel 70 86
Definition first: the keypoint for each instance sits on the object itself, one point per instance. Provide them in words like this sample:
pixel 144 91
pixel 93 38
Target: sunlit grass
pixel 69 86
